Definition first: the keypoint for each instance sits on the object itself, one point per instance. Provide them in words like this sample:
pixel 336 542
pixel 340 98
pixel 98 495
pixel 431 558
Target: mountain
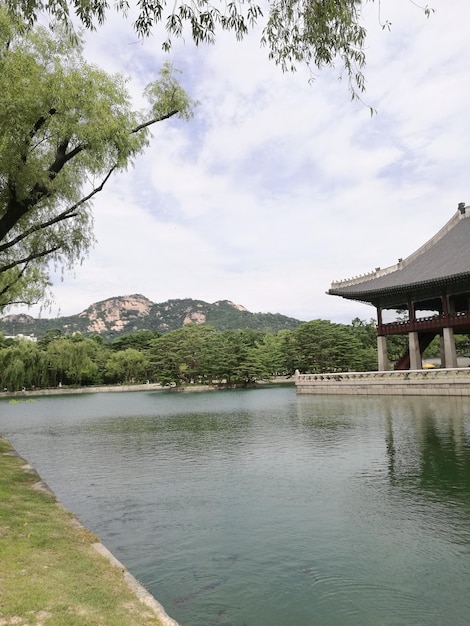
pixel 122 315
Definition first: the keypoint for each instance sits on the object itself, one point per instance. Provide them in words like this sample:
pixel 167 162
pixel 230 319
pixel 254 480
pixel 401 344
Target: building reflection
pixel 428 445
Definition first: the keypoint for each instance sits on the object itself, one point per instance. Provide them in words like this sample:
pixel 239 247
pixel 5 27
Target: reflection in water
pixel 429 447
pixel 263 507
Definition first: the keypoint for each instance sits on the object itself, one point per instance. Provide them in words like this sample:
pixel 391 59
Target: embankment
pixel 55 570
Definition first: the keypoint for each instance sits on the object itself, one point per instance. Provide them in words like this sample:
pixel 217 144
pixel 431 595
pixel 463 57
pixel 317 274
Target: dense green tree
pixel 65 127
pixel 22 365
pixel 252 368
pixel 140 340
pixel 225 352
pixel 462 346
pixel 318 33
pixel 280 353
pixel 58 359
pixel 290 350
pixel 397 345
pixel 127 366
pixel 367 360
pixel 71 360
pixel 271 354
pixel 198 354
pixel 366 332
pixel 181 356
pixel 164 360
pixel 82 368
pixel 236 358
pixel 49 336
pixel 327 347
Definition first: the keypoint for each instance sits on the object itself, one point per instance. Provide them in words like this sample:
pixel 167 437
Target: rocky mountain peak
pixel 238 307
pixel 21 318
pixel 115 313
pixel 127 314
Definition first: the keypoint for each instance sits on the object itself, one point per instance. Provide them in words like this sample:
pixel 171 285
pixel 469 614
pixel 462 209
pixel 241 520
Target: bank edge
pixel 142 594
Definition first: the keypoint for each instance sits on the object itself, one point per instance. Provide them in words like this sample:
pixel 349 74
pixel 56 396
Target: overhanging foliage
pixel 65 127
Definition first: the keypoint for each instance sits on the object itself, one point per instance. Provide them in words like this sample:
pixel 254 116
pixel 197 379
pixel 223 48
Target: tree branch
pixel 18 277
pixel 40 122
pixel 63 157
pixel 64 215
pixel 154 121
pixel 16 210
pixel 68 213
pixel 36 127
pixel 32 257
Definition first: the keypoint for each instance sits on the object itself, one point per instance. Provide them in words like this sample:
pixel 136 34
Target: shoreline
pixel 57 391
pixel 139 591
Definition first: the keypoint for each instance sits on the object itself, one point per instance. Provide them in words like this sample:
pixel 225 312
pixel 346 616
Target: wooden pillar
pixel 379 319
pixel 451 306
pixel 445 305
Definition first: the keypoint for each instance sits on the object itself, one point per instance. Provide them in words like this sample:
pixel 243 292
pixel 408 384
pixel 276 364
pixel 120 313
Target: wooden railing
pixel 459 320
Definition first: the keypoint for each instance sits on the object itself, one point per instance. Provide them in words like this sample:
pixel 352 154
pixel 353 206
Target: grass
pixel 50 574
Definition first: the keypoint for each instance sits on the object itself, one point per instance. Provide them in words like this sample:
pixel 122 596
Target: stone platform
pixel 431 382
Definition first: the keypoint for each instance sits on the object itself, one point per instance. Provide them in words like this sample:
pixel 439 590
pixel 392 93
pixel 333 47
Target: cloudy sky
pixel 277 186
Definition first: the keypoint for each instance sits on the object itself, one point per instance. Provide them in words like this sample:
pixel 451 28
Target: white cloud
pixel 277 187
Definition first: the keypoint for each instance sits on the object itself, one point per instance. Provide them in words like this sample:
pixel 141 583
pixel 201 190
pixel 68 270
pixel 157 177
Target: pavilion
pixel 434 281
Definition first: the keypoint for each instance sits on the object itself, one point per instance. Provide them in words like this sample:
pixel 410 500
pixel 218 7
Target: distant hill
pixel 127 314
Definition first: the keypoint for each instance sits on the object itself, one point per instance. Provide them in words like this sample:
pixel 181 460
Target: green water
pixel 264 508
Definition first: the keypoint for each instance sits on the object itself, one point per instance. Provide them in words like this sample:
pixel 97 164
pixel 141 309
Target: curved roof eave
pixel 443 260
pixel 370 296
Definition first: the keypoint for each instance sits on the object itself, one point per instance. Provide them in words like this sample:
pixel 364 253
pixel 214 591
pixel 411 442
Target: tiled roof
pixel 444 258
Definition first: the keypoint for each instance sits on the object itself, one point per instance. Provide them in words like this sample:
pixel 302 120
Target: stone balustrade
pixel 440 382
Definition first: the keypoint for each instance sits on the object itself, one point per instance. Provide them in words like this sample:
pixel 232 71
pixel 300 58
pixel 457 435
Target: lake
pixel 264 508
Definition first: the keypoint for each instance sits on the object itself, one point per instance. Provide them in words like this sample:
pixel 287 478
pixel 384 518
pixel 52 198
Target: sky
pixel 278 185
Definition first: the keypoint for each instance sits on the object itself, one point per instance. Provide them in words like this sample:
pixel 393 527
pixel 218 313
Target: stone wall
pixel 438 382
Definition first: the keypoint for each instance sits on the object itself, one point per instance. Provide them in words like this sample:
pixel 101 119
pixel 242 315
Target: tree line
pixel 194 354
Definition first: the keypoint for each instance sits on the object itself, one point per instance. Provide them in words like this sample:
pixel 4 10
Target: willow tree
pixel 65 127
pixel 316 32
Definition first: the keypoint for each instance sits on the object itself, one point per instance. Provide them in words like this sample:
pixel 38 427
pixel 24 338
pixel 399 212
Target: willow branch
pixel 154 121
pixel 32 257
